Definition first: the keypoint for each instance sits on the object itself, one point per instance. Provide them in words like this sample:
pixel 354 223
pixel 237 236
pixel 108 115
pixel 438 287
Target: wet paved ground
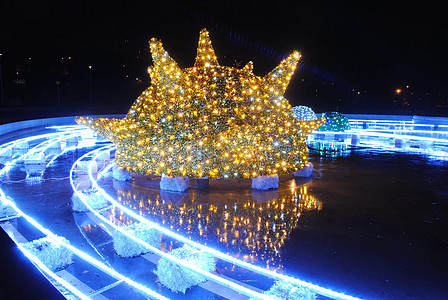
pixel 382 232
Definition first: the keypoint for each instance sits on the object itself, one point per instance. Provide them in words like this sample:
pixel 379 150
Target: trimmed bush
pixel 335 122
pixel 93 198
pixel 282 290
pixel 51 253
pixel 178 278
pixel 126 247
pixel 304 113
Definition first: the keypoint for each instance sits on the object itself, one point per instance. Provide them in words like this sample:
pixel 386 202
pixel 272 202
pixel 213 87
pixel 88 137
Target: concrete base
pixel 120 174
pixel 306 171
pixel 35 164
pixel 71 142
pixel 265 182
pixel 82 167
pixel 20 149
pixel 93 198
pixel 104 159
pixel 426 145
pixel 176 183
pixel 5 156
pixel 202 183
pixel 54 149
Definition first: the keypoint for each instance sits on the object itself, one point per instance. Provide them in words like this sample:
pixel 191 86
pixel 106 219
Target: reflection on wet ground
pixel 374 223
pixel 229 214
pixel 383 229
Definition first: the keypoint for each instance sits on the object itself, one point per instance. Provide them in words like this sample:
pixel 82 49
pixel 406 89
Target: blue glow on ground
pixel 405 134
pixel 188 265
pixel 85 256
pixel 228 258
pixel 76 251
pixel 50 273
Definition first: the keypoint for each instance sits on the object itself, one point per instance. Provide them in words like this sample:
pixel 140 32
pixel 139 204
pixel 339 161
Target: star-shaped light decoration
pixel 209 120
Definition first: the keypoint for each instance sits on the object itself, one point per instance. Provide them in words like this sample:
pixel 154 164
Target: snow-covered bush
pixel 53 149
pixel 126 247
pixel 71 142
pixel 50 252
pixel 335 122
pixel 282 290
pixel 93 198
pixel 178 278
pixel 20 149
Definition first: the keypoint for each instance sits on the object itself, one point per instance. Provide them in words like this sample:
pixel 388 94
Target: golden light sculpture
pixel 209 120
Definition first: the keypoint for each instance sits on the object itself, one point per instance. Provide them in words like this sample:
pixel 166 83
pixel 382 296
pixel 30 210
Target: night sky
pixel 355 54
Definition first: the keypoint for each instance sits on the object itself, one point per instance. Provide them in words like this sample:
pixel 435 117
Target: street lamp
pixel 90 76
pixel 57 89
pixel 1 78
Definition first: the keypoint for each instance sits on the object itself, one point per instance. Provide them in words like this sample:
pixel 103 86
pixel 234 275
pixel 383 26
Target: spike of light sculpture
pixel 209 120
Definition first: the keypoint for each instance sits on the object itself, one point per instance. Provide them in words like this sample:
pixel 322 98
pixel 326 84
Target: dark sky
pixel 373 46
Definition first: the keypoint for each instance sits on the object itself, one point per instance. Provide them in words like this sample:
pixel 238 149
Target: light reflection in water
pixel 248 224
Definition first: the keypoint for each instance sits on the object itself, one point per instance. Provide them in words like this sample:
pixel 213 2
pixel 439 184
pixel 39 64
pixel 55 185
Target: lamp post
pixel 57 89
pixel 1 78
pixel 90 77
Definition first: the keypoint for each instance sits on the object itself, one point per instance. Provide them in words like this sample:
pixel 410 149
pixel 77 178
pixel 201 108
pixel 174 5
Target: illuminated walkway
pixel 54 155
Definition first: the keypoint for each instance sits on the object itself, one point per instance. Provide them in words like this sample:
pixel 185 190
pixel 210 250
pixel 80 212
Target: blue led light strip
pixel 50 273
pixel 406 131
pixel 40 136
pixel 369 133
pixel 190 266
pixel 10 145
pixel 66 127
pixel 48 143
pixel 76 251
pixel 82 254
pixel 380 121
pixel 58 138
pixel 105 170
pixel 214 252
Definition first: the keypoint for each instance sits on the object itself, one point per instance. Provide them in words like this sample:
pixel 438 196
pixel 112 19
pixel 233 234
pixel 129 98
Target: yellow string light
pixel 209 120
